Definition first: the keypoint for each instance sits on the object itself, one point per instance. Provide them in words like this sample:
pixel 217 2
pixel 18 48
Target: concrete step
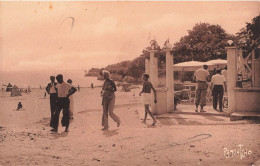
pixel 209 113
pixel 245 115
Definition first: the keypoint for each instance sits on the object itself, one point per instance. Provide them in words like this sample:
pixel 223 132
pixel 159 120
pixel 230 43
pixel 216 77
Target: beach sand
pixel 177 139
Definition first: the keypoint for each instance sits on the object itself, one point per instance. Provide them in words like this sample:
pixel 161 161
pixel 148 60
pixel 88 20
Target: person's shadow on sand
pixel 110 133
pixel 151 126
pixel 59 135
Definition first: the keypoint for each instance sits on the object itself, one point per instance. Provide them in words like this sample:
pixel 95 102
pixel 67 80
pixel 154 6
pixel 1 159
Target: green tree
pixel 249 37
pixel 137 67
pixel 204 42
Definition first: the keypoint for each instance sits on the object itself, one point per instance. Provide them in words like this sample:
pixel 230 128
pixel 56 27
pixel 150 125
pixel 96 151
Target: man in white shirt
pixel 201 76
pixel 218 86
pixel 224 73
pixel 52 91
pixel 69 81
pixel 64 91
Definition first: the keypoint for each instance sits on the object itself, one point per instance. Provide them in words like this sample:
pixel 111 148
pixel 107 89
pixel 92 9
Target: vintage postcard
pixel 130 83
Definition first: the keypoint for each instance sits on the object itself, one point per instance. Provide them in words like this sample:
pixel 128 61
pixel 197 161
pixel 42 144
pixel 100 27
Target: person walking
pixel 69 81
pixel 64 92
pixel 224 73
pixel 52 91
pixel 202 77
pixel 218 86
pixel 146 91
pixel 108 100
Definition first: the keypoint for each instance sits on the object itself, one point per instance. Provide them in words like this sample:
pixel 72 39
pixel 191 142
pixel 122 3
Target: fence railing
pixel 246 67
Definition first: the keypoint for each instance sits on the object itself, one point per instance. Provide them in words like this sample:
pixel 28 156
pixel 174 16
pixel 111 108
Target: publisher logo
pixel 241 152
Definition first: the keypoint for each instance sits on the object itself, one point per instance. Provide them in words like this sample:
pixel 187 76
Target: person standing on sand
pixel 64 92
pixel 201 76
pixel 52 91
pixel 108 100
pixel 71 100
pixel 146 91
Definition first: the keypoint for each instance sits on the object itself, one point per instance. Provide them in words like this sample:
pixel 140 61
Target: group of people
pixel 61 96
pixel 217 86
pixel 60 99
pixel 108 99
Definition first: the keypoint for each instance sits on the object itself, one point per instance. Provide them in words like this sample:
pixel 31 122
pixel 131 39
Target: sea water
pixel 37 79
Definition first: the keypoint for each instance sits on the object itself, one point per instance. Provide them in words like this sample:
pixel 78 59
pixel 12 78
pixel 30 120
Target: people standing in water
pixel 108 100
pixel 71 101
pixel 52 91
pixel 64 92
pixel 147 97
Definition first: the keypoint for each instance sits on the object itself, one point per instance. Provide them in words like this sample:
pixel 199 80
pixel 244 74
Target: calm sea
pixel 35 79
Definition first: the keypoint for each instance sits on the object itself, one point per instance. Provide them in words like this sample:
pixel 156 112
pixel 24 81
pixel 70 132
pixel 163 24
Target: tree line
pixel 204 42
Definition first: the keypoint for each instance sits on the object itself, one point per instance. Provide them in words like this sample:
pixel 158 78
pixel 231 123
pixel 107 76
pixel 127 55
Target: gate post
pixel 147 66
pixel 169 80
pixel 231 77
pixel 153 77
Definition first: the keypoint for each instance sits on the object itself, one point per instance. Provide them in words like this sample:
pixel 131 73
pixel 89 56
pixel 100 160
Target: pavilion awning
pixel 188 66
pixel 194 65
pixel 217 63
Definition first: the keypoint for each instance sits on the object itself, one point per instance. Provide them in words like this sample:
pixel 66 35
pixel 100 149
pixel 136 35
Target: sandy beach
pixel 177 139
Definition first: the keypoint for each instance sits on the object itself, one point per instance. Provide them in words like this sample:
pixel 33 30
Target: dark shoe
pixel 54 130
pixel 67 129
pixel 220 110
pixel 118 124
pixel 202 110
pixel 196 110
pixel 154 122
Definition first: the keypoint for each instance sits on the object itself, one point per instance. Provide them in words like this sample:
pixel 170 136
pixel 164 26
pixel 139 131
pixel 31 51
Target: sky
pixel 82 35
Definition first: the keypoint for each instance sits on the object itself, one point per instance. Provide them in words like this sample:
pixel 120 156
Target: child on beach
pixel 147 87
pixel 19 106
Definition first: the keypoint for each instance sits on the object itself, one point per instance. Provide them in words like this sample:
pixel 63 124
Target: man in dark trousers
pixel 218 86
pixel 52 91
pixel 64 91
pixel 202 77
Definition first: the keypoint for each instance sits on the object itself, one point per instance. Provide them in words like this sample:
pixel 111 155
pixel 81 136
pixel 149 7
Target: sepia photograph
pixel 130 83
